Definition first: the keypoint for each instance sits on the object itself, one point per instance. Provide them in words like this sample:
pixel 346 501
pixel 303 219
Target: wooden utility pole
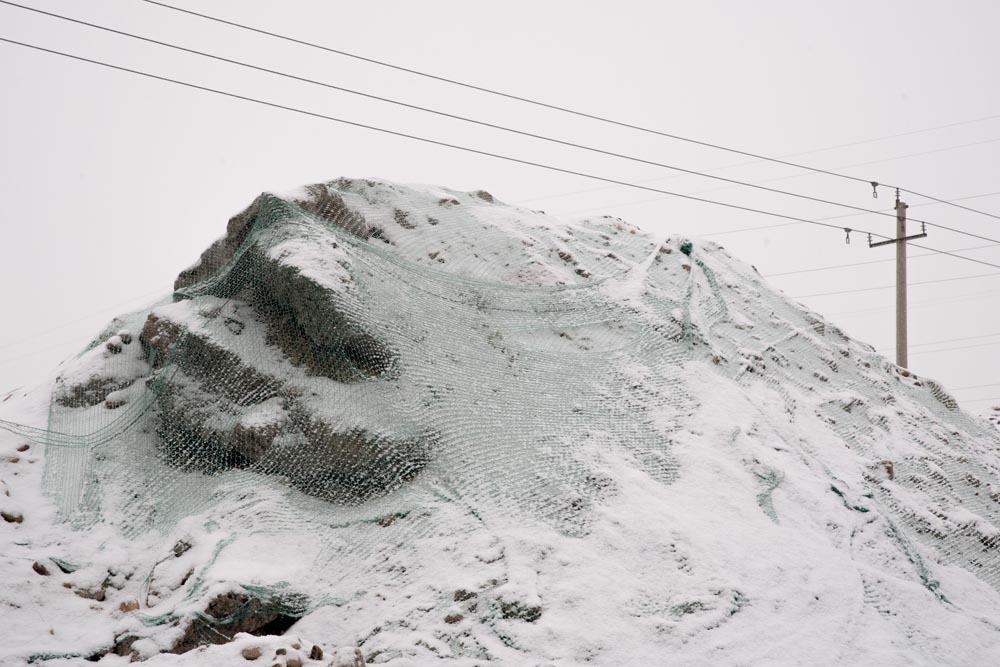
pixel 900 241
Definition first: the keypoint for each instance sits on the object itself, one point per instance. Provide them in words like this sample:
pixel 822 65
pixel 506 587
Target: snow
pixel 721 498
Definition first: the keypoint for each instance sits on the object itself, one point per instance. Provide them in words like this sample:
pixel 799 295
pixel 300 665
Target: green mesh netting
pixel 362 355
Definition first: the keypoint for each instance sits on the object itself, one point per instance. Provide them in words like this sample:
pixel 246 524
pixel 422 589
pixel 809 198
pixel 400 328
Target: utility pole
pixel 900 241
pixel 901 347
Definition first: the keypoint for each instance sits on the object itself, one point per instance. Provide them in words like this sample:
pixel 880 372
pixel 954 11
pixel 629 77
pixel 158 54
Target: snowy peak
pixel 464 234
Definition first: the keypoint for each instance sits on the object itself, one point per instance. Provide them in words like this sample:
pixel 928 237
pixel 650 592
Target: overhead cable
pixel 880 287
pixel 461 118
pixel 434 142
pixel 527 100
pixel 475 151
pixel 871 261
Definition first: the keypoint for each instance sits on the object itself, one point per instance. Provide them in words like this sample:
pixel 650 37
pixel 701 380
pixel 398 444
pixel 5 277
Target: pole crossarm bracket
pixel 905 238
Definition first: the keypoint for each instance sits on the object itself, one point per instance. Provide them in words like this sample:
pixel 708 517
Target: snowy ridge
pixel 439 428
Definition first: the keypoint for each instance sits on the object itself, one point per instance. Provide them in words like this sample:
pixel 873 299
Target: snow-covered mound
pixel 433 427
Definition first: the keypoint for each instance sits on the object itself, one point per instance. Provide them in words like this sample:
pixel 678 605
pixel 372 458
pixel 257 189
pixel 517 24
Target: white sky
pixel 112 183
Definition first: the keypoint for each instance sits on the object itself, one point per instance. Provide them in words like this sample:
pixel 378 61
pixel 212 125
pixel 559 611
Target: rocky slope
pixel 433 427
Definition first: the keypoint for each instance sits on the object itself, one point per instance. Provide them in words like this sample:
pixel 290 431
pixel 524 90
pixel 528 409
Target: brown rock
pixel 251 652
pixel 91 595
pixel 225 616
pixel 453 618
pixel 23 448
pixel 316 653
pixel 158 336
pixel 12 517
pixel 293 661
pixel 40 569
pixel 252 442
pixel 129 606
pixel 222 250
pixel 325 202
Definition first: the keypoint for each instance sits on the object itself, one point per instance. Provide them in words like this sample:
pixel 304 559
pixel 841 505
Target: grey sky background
pixel 113 183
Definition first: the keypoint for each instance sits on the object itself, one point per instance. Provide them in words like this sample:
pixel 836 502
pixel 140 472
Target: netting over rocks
pixel 396 400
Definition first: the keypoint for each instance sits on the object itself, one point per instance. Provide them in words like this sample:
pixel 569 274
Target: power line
pixel 872 261
pixel 976 386
pixel 898 135
pixel 961 298
pixel 538 103
pixel 951 254
pixel 983 400
pixel 923 282
pixel 951 203
pixel 467 149
pixel 946 340
pixel 806 152
pixel 436 142
pixel 33 336
pixel 952 349
pixel 464 119
pixel 479 122
pixel 844 166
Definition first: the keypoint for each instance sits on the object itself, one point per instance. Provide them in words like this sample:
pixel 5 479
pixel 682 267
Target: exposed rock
pixel 158 337
pixel 114 403
pixel 97 594
pixel 251 652
pixel 123 646
pixel 92 392
pixel 226 616
pixel 453 618
pixel 128 606
pixel 316 653
pixel 312 327
pixel 347 657
pixel 12 517
pixel 181 548
pixel 40 569
pixel 515 609
pixel 403 219
pixel 327 204
pixel 220 252
pixel 252 442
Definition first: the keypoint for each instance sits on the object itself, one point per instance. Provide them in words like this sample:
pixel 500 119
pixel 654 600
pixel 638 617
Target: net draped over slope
pixel 385 377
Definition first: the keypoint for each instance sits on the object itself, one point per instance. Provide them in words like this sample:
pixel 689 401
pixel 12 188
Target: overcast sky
pixel 113 183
